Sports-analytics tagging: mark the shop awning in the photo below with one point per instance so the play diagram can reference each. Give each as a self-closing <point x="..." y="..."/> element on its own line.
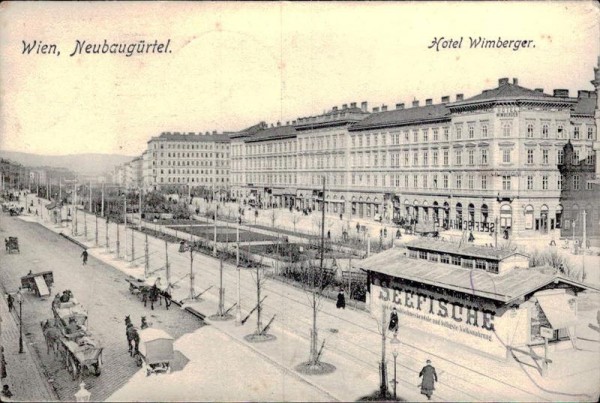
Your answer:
<point x="557" y="310"/>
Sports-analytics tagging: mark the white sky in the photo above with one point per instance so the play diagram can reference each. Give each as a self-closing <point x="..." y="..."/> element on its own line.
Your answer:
<point x="235" y="64"/>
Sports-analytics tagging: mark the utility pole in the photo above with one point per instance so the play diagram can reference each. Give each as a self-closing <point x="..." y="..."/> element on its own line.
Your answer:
<point x="132" y="248"/>
<point x="147" y="259"/>
<point x="238" y="310"/>
<point x="125" y="222"/>
<point x="140" y="222"/>
<point x="215" y="234"/>
<point x="383" y="390"/>
<point x="118" y="242"/>
<point x="90" y="205"/>
<point x="167" y="268"/>
<point x="96" y="229"/>
<point x="102" y="202"/>
<point x="583" y="245"/>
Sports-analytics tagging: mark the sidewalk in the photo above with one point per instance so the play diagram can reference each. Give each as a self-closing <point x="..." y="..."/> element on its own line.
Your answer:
<point x="24" y="378"/>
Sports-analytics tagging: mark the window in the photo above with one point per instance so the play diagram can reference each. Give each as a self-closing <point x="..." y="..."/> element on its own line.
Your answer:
<point x="560" y="157"/>
<point x="576" y="180"/>
<point x="415" y="181"/>
<point x="446" y="133"/>
<point x="458" y="132"/>
<point x="422" y="254"/>
<point x="530" y="183"/>
<point x="405" y="158"/>
<point x="506" y="129"/>
<point x="480" y="264"/>
<point x="415" y="158"/>
<point x="433" y="257"/>
<point x="559" y="185"/>
<point x="560" y="132"/>
<point x="506" y="156"/>
<point x="445" y="181"/>
<point x="458" y="157"/>
<point x="492" y="267"/>
<point x="470" y="181"/>
<point x="467" y="263"/>
<point x="458" y="181"/>
<point x="506" y="183"/>
<point x="435" y="158"/>
<point x="575" y="157"/>
<point x="471" y="131"/>
<point x="425" y="181"/>
<point x="435" y="135"/>
<point x="530" y="130"/>
<point x="545" y="182"/>
<point x="576" y="133"/>
<point x="545" y="157"/>
<point x="545" y="131"/>
<point x="455" y="260"/>
<point x="484" y="131"/>
<point x="590" y="157"/>
<point x="471" y="157"/>
<point x="445" y="259"/>
<point x="484" y="157"/>
<point x="590" y="133"/>
<point x="589" y="185"/>
<point x="425" y="135"/>
<point x="415" y="136"/>
<point x="413" y="254"/>
<point x="445" y="157"/>
<point x="530" y="156"/>
<point x="484" y="182"/>
<point x="425" y="159"/>
<point x="435" y="181"/>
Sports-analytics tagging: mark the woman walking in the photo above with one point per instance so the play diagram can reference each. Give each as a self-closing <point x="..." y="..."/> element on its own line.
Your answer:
<point x="429" y="378"/>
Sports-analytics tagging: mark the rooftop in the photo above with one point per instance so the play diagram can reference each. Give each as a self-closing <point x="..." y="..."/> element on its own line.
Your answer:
<point x="192" y="137"/>
<point x="398" y="117"/>
<point x="469" y="249"/>
<point x="585" y="105"/>
<point x="507" y="90"/>
<point x="499" y="287"/>
<point x="273" y="133"/>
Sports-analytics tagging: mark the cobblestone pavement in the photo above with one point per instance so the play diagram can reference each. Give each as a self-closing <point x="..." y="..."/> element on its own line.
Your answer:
<point x="100" y="288"/>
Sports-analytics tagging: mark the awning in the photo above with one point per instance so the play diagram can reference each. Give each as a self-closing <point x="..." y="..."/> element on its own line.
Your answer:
<point x="557" y="309"/>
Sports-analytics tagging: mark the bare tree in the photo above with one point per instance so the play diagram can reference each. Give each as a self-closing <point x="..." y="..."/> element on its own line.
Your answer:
<point x="260" y="333"/>
<point x="295" y="219"/>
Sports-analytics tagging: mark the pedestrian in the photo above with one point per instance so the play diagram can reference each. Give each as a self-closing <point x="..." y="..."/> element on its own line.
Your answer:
<point x="84" y="255"/>
<point x="471" y="237"/>
<point x="6" y="391"/>
<point x="505" y="233"/>
<point x="340" y="216"/>
<point x="10" y="301"/>
<point x="429" y="378"/>
<point x="328" y="234"/>
<point x="341" y="299"/>
<point x="398" y="234"/>
<point x="393" y="327"/>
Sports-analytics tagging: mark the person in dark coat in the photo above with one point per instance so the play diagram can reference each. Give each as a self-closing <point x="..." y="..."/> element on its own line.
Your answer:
<point x="341" y="299"/>
<point x="471" y="237"/>
<point x="84" y="255"/>
<point x="10" y="301"/>
<point x="393" y="327"/>
<point x="429" y="378"/>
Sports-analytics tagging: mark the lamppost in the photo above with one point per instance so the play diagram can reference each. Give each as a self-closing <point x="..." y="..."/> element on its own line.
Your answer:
<point x="82" y="395"/>
<point x="395" y="344"/>
<point x="20" y="301"/>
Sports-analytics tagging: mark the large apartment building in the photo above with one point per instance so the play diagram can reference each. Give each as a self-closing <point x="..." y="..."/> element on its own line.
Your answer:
<point x="476" y="163"/>
<point x="187" y="159"/>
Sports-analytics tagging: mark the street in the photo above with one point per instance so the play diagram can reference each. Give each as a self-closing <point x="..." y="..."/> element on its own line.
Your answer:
<point x="100" y="288"/>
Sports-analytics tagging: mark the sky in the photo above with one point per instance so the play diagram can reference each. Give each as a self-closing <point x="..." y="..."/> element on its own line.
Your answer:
<point x="232" y="65"/>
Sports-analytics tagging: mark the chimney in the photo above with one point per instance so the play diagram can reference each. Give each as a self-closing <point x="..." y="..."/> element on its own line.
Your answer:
<point x="214" y="132"/>
<point x="415" y="103"/>
<point x="502" y="81"/>
<point x="345" y="106"/>
<point x="515" y="81"/>
<point x="287" y="123"/>
<point x="272" y="125"/>
<point x="353" y="105"/>
<point x="335" y="108"/>
<point x="428" y="102"/>
<point x="376" y="109"/>
<point x="191" y="133"/>
<point x="561" y="93"/>
<point x="459" y="97"/>
<point x="399" y="106"/>
<point x="540" y="90"/>
<point x="383" y="108"/>
<point x="364" y="107"/>
<point x="583" y="94"/>
<point x="207" y="133"/>
<point x="293" y="122"/>
<point x="177" y="133"/>
<point x="445" y="99"/>
<point x="278" y="123"/>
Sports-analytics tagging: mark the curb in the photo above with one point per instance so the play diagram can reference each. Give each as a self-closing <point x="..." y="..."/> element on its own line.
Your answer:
<point x="76" y="242"/>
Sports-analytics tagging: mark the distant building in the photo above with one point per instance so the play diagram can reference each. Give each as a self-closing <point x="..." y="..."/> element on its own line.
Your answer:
<point x="188" y="159"/>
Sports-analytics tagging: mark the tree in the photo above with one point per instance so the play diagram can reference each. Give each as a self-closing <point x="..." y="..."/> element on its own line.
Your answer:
<point x="295" y="218"/>
<point x="261" y="333"/>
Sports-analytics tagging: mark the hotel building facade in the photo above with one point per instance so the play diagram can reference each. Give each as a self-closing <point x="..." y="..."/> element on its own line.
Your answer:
<point x="477" y="163"/>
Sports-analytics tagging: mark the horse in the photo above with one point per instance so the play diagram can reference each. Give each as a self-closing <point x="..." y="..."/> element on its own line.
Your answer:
<point x="52" y="335"/>
<point x="132" y="336"/>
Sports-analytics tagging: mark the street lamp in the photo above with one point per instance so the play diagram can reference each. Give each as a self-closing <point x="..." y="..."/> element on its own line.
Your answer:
<point x="20" y="301"/>
<point x="82" y="395"/>
<point x="395" y="344"/>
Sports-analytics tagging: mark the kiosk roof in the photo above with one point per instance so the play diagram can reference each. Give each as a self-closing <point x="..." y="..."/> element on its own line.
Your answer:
<point x="500" y="287"/>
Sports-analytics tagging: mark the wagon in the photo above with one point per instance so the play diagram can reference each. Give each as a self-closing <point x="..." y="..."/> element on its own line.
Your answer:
<point x="71" y="318"/>
<point x="12" y="244"/>
<point x="82" y="354"/>
<point x="40" y="283"/>
<point x="155" y="352"/>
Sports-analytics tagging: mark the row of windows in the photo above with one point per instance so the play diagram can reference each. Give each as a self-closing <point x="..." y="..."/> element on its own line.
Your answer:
<point x="455" y="260"/>
<point x="192" y="180"/>
<point x="187" y="146"/>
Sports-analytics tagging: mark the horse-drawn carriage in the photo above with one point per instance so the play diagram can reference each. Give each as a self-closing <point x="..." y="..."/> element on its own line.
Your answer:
<point x="68" y="334"/>
<point x="40" y="283"/>
<point x="155" y="351"/>
<point x="12" y="244"/>
<point x="150" y="290"/>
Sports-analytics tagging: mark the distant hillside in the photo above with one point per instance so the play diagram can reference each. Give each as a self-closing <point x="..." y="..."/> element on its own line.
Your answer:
<point x="89" y="164"/>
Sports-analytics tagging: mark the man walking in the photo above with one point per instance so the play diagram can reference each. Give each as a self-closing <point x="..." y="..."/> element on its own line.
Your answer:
<point x="429" y="378"/>
<point x="10" y="301"/>
<point x="84" y="255"/>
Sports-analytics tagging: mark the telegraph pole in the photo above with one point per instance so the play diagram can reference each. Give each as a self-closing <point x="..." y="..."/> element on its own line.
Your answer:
<point x="238" y="310"/>
<point x="147" y="260"/>
<point x="140" y="222"/>
<point x="583" y="246"/>
<point x="102" y="203"/>
<point x="167" y="268"/>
